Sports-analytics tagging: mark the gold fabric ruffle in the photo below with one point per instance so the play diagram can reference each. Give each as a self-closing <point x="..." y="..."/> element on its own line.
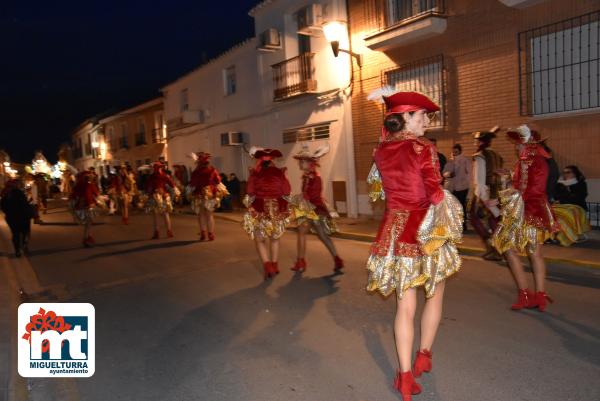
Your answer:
<point x="159" y="203"/>
<point x="376" y="186"/>
<point x="82" y="216"/>
<point x="514" y="231"/>
<point x="271" y="223"/>
<point x="303" y="211"/>
<point x="438" y="234"/>
<point x="207" y="200"/>
<point x="573" y="223"/>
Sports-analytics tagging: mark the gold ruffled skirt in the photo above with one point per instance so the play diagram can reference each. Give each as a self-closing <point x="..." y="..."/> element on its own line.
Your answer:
<point x="159" y="203"/>
<point x="271" y="223"/>
<point x="302" y="211"/>
<point x="513" y="230"/>
<point x="437" y="259"/>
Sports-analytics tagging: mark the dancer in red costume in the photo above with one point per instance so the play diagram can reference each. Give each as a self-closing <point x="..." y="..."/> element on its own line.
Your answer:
<point x="310" y="210"/>
<point x="416" y="242"/>
<point x="206" y="192"/>
<point x="83" y="202"/>
<point x="159" y="202"/>
<point x="121" y="190"/>
<point x="268" y="215"/>
<point x="527" y="218"/>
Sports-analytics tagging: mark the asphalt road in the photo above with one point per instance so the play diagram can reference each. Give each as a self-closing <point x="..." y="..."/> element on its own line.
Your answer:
<point x="182" y="320"/>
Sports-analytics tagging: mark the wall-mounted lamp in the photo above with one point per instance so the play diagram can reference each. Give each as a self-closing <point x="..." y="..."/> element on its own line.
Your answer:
<point x="334" y="31"/>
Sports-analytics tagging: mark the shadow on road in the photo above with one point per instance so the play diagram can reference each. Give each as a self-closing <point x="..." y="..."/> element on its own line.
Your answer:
<point x="158" y="245"/>
<point x="585" y="347"/>
<point x="45" y="252"/>
<point x="249" y="329"/>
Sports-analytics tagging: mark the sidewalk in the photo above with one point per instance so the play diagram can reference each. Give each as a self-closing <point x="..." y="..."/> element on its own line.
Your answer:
<point x="585" y="254"/>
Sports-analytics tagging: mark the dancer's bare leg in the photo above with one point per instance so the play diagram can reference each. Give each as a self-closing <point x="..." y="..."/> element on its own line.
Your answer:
<point x="261" y="248"/>
<point x="431" y="317"/>
<point x="301" y="239"/>
<point x="539" y="268"/>
<point x="274" y="247"/>
<point x="210" y="221"/>
<point x="168" y="221"/>
<point x="516" y="268"/>
<point x="155" y="220"/>
<point x="404" y="328"/>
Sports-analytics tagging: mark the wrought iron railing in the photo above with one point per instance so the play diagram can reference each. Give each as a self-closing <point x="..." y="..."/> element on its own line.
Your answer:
<point x="427" y="76"/>
<point x="294" y="77"/>
<point x="593" y="214"/>
<point x="383" y="14"/>
<point x="559" y="66"/>
<point x="158" y="135"/>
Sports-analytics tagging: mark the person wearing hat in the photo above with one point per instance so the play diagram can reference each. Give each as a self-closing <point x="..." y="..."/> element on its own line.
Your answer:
<point x="83" y="202"/>
<point x="268" y="214"/>
<point x="206" y="191"/>
<point x="483" y="212"/>
<point x="416" y="243"/>
<point x="158" y="187"/>
<point x="527" y="218"/>
<point x="310" y="210"/>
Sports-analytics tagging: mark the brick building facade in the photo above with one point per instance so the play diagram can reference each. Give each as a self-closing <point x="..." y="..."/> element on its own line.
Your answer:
<point x="488" y="64"/>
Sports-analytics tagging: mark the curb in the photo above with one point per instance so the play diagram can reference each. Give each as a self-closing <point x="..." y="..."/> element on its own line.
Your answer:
<point x="466" y="250"/>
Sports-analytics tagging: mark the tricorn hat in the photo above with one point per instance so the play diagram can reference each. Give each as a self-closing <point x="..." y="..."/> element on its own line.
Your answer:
<point x="523" y="134"/>
<point x="401" y="102"/>
<point x="265" y="153"/>
<point x="306" y="154"/>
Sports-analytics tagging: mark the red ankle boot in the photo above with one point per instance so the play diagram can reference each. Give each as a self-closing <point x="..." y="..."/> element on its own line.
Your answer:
<point x="275" y="267"/>
<point x="211" y="236"/>
<point x="203" y="235"/>
<point x="422" y="362"/>
<point x="300" y="265"/>
<point x="524" y="300"/>
<point x="339" y="263"/>
<point x="407" y="386"/>
<point x="170" y="234"/>
<point x="268" y="270"/>
<point x="539" y="300"/>
<point x="156" y="235"/>
<point x="126" y="220"/>
<point x="90" y="239"/>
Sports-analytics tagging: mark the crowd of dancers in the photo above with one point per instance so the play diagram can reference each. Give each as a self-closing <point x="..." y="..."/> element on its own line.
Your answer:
<point x="416" y="244"/>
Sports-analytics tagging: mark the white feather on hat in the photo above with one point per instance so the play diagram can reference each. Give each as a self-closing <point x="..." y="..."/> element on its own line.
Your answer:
<point x="378" y="94"/>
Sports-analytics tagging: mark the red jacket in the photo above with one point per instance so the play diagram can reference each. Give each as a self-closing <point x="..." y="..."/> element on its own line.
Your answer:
<point x="530" y="178"/>
<point x="312" y="188"/>
<point x="411" y="180"/>
<point x="158" y="182"/>
<point x="84" y="193"/>
<point x="268" y="183"/>
<point x="204" y="176"/>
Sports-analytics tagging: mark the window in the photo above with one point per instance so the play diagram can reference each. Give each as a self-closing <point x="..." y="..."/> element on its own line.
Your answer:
<point x="124" y="140"/>
<point x="112" y="138"/>
<point x="425" y="76"/>
<point x="559" y="66"/>
<point x="399" y="10"/>
<point x="88" y="145"/>
<point x="307" y="133"/>
<point x="140" y="138"/>
<point x="303" y="44"/>
<point x="230" y="80"/>
<point x="183" y="100"/>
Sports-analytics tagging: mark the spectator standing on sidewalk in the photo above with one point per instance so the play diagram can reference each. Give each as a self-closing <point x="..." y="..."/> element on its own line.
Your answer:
<point x="458" y="174"/>
<point x="234" y="188"/>
<point x="18" y="213"/>
<point x="441" y="158"/>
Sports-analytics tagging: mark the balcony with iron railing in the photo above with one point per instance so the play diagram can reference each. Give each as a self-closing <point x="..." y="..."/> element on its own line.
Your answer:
<point x="294" y="77"/>
<point x="394" y="23"/>
<point x="159" y="135"/>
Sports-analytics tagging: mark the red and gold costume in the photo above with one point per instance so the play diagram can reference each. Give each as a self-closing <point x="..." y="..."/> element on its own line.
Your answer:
<point x="267" y="190"/>
<point x="527" y="218"/>
<point x="310" y="204"/>
<point x="158" y="189"/>
<point x="84" y="198"/>
<point x="415" y="245"/>
<point x="206" y="189"/>
<point x="122" y="186"/>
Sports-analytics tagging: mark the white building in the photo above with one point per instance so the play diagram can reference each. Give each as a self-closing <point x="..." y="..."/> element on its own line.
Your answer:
<point x="282" y="89"/>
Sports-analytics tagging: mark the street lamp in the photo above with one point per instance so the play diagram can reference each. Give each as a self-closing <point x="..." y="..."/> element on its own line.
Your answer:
<point x="334" y="32"/>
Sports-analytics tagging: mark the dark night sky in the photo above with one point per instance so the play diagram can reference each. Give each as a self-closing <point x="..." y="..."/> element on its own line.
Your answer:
<point x="64" y="61"/>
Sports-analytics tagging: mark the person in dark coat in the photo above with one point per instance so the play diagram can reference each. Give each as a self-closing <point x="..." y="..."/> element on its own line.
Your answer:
<point x="234" y="188"/>
<point x="18" y="213"/>
<point x="572" y="188"/>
